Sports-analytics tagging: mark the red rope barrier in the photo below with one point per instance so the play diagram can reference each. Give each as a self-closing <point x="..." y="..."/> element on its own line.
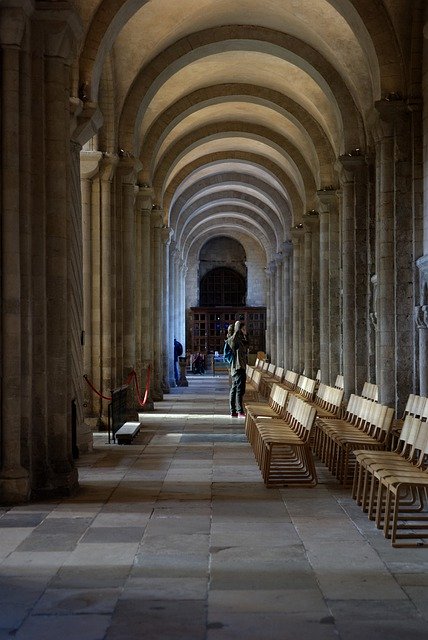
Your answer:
<point x="131" y="375"/>
<point x="94" y="390"/>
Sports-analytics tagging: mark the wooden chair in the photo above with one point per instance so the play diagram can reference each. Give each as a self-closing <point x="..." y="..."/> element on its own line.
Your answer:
<point x="282" y="447"/>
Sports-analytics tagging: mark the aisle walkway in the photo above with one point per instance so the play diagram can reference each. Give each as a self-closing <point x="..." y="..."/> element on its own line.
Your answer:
<point x="176" y="537"/>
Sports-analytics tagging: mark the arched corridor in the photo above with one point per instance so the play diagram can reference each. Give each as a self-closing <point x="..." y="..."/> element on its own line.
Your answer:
<point x="176" y="536"/>
<point x="167" y="167"/>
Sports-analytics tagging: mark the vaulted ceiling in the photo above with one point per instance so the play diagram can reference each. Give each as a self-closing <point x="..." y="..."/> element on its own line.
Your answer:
<point x="239" y="110"/>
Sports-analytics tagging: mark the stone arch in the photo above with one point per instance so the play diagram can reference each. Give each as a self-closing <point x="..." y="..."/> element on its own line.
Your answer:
<point x="258" y="132"/>
<point x="379" y="45"/>
<point x="230" y="199"/>
<point x="296" y="203"/>
<point x="234" y="211"/>
<point x="260" y="95"/>
<point x="225" y="181"/>
<point x="183" y="51"/>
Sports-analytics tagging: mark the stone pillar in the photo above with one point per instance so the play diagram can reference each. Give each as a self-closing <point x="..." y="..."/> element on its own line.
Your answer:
<point x="279" y="305"/>
<point x="125" y="173"/>
<point x="167" y="339"/>
<point x="157" y="302"/>
<point x="89" y="168"/>
<point x="63" y="237"/>
<point x="14" y="480"/>
<point x="421" y="316"/>
<point x="107" y="171"/>
<point x="172" y="320"/>
<point x="287" y="250"/>
<point x="353" y="202"/>
<point x="145" y="280"/>
<point x="311" y="304"/>
<point x="329" y="285"/>
<point x="272" y="321"/>
<point x="297" y="235"/>
<point x="394" y="250"/>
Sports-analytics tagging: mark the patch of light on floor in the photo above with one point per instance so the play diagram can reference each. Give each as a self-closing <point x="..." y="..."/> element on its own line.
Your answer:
<point x="143" y="417"/>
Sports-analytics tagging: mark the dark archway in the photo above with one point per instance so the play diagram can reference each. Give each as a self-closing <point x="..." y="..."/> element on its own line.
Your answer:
<point x="222" y="287"/>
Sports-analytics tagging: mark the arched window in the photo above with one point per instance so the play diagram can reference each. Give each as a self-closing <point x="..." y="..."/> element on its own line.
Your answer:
<point x="222" y="287"/>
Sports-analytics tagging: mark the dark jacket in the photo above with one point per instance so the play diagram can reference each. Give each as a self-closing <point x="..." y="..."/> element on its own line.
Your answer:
<point x="239" y="343"/>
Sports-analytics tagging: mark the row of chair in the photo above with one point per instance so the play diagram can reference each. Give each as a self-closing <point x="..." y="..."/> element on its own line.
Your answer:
<point x="279" y="433"/>
<point x="384" y="460"/>
<point x="365" y="425"/>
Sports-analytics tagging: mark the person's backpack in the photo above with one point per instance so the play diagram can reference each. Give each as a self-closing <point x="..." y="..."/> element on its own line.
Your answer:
<point x="178" y="348"/>
<point x="228" y="354"/>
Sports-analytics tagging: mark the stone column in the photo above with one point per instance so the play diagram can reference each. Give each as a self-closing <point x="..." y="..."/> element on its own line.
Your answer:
<point x="144" y="211"/>
<point x="89" y="168"/>
<point x="287" y="250"/>
<point x="126" y="181"/>
<point x="272" y="326"/>
<point x="167" y="339"/>
<point x="107" y="171"/>
<point x="329" y="285"/>
<point x="279" y="305"/>
<point x="395" y="290"/>
<point x="421" y="316"/>
<point x="310" y="226"/>
<point x="63" y="238"/>
<point x="157" y="300"/>
<point x="172" y="321"/>
<point x="145" y="315"/>
<point x="297" y="235"/>
<point x="14" y="481"/>
<point x="352" y="191"/>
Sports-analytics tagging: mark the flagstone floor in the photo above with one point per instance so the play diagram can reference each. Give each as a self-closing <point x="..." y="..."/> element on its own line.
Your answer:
<point x="176" y="537"/>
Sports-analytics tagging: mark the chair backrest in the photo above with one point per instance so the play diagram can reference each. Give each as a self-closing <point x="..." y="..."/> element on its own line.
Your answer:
<point x="370" y="391"/>
<point x="339" y="382"/>
<point x="318" y="376"/>
<point x="279" y="373"/>
<point x="265" y="365"/>
<point x="271" y="368"/>
<point x="291" y="378"/>
<point x="257" y="377"/>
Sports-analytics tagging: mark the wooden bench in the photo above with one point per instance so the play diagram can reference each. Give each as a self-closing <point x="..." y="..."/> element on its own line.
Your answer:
<point x="305" y="388"/>
<point x="281" y="446"/>
<point x="127" y="432"/>
<point x="398" y="481"/>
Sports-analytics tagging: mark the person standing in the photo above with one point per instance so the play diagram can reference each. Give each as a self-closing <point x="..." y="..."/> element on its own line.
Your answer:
<point x="238" y="342"/>
<point x="178" y="351"/>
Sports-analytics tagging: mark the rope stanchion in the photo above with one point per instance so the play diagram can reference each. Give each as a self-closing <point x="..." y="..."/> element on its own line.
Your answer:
<point x="132" y="375"/>
<point x="94" y="390"/>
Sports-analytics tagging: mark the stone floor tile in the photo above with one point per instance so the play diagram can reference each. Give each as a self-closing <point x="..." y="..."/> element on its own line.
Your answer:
<point x="138" y="618"/>
<point x="74" y="627"/>
<point x="75" y="601"/>
<point x="101" y="535"/>
<point x="270" y="626"/>
<point x="90" y="577"/>
<point x="164" y="588"/>
<point x="290" y="601"/>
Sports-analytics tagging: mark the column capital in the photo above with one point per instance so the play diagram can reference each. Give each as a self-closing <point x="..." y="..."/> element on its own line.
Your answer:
<point x="145" y="198"/>
<point x="90" y="163"/>
<point x="271" y="268"/>
<point x="63" y="28"/>
<point x="297" y="233"/>
<point x="327" y="196"/>
<point x="13" y="19"/>
<point x="278" y="258"/>
<point x="353" y="161"/>
<point x="127" y="169"/>
<point x="310" y="220"/>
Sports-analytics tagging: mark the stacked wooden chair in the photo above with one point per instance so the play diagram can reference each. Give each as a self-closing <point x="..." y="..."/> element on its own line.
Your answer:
<point x="365" y="425"/>
<point x="392" y="486"/>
